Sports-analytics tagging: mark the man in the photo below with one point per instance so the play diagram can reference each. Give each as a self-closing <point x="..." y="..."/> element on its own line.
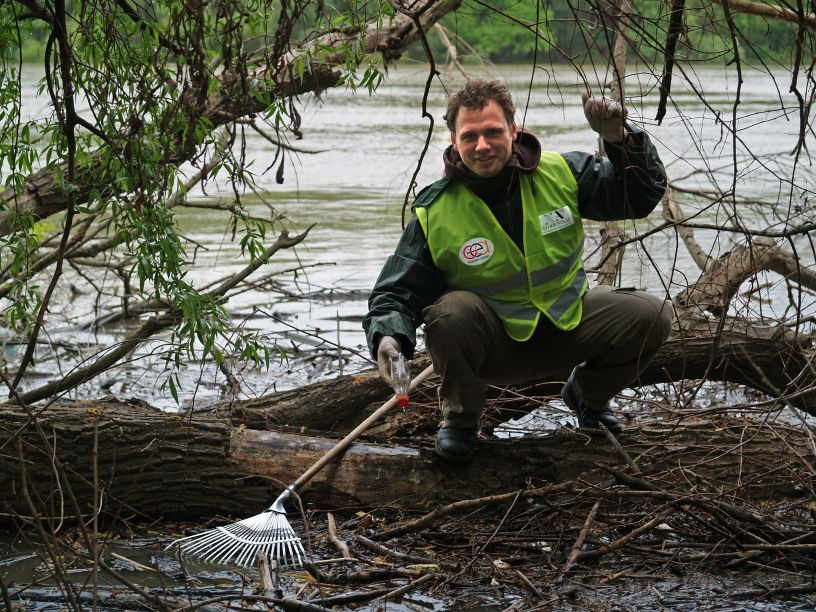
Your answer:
<point x="491" y="263"/>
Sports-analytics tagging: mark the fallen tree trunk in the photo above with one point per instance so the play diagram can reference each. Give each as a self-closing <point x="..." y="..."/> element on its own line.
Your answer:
<point x="770" y="359"/>
<point x="151" y="464"/>
<point x="237" y="457"/>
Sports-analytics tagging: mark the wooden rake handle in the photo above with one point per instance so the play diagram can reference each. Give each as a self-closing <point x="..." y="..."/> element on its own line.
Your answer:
<point x="354" y="434"/>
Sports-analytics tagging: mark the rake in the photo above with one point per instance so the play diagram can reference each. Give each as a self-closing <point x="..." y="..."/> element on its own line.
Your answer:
<point x="269" y="533"/>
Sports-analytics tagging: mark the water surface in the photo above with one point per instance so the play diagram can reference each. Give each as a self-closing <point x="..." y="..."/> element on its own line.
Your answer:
<point x="354" y="189"/>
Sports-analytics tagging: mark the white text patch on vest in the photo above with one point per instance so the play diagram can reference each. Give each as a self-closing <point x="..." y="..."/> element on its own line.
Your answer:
<point x="555" y="220"/>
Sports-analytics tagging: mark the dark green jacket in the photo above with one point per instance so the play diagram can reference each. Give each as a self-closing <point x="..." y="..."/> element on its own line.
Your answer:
<point x="626" y="185"/>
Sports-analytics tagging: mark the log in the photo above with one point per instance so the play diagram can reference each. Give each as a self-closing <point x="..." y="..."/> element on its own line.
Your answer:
<point x="154" y="465"/>
<point x="772" y="359"/>
<point x="762" y="357"/>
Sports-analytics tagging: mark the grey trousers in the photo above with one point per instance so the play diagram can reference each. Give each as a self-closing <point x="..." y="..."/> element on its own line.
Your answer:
<point x="619" y="333"/>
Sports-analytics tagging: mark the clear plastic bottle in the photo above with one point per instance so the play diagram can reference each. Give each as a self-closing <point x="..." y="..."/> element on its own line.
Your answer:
<point x="401" y="379"/>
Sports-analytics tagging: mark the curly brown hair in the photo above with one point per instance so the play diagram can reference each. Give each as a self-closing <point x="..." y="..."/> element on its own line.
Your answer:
<point x="476" y="94"/>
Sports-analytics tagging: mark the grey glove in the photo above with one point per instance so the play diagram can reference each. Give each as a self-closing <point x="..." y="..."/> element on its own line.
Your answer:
<point x="388" y="349"/>
<point x="605" y="116"/>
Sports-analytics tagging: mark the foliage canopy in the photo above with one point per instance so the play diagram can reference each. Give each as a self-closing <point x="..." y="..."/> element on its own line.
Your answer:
<point x="141" y="97"/>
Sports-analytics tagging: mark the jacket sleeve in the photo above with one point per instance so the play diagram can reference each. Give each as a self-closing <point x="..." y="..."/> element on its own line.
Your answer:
<point x="408" y="282"/>
<point x="626" y="185"/>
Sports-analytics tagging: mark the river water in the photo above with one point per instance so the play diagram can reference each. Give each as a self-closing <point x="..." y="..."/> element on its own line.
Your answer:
<point x="353" y="190"/>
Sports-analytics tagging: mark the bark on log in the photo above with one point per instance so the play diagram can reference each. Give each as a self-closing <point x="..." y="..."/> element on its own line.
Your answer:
<point x="153" y="465"/>
<point x="334" y="404"/>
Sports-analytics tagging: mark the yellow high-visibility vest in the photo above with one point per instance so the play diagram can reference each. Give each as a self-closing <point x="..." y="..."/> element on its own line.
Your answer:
<point x="474" y="253"/>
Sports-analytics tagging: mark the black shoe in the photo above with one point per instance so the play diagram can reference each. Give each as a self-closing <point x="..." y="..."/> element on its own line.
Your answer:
<point x="588" y="418"/>
<point x="456" y="444"/>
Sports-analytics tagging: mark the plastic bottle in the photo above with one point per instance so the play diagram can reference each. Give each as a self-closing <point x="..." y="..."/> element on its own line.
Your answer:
<point x="400" y="379"/>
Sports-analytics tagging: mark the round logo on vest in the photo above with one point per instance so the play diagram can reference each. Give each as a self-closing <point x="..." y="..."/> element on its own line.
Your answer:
<point x="476" y="251"/>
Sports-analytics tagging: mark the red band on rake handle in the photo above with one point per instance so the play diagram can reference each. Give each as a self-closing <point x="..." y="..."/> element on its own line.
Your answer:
<point x="350" y="437"/>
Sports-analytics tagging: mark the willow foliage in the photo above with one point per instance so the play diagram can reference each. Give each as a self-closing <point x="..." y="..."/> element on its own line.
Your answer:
<point x="136" y="90"/>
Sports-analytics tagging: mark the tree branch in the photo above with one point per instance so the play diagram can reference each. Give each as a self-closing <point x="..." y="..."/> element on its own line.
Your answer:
<point x="42" y="196"/>
<point x="148" y="329"/>
<point x="767" y="10"/>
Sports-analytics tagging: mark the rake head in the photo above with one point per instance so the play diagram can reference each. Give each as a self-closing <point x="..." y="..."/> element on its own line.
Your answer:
<point x="268" y="533"/>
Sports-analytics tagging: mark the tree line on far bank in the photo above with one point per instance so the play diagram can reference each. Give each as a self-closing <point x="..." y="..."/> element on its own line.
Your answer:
<point x="572" y="32"/>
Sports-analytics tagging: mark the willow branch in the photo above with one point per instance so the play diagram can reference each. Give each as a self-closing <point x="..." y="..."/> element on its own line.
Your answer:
<point x="148" y="329"/>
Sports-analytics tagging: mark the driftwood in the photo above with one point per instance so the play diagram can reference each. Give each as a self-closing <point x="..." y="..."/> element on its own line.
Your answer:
<point x="213" y="463"/>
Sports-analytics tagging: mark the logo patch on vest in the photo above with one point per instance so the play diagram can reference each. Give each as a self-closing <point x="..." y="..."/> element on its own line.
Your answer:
<point x="555" y="220"/>
<point x="476" y="251"/>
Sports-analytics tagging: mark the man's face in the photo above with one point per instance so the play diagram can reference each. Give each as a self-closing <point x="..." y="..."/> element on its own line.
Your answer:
<point x="483" y="138"/>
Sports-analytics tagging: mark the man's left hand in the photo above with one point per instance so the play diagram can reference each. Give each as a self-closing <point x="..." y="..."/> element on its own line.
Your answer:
<point x="387" y="351"/>
<point x="605" y="116"/>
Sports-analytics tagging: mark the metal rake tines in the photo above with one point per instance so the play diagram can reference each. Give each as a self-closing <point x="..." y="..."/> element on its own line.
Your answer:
<point x="268" y="533"/>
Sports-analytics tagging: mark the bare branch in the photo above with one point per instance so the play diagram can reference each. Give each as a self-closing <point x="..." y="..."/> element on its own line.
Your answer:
<point x="768" y="10"/>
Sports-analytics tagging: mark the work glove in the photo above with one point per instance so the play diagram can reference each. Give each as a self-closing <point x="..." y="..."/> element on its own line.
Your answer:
<point x="605" y="116"/>
<point x="388" y="349"/>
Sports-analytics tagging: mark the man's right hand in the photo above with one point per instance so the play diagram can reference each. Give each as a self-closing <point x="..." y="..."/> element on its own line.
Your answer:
<point x="605" y="116"/>
<point x="388" y="349"/>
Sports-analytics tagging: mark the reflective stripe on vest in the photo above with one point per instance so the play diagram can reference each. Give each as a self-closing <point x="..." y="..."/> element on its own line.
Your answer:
<point x="559" y="307"/>
<point x="474" y="253"/>
<point x="537" y="277"/>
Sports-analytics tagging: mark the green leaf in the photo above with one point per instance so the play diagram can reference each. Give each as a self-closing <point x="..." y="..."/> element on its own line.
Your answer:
<point x="173" y="391"/>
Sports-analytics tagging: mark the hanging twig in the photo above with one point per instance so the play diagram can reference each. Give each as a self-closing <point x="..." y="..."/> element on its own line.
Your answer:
<point x="68" y="120"/>
<point x="432" y="74"/>
<point x="278" y="143"/>
<point x="675" y="28"/>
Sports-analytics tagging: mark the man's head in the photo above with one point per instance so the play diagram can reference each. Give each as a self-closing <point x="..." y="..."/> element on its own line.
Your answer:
<point x="482" y="128"/>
